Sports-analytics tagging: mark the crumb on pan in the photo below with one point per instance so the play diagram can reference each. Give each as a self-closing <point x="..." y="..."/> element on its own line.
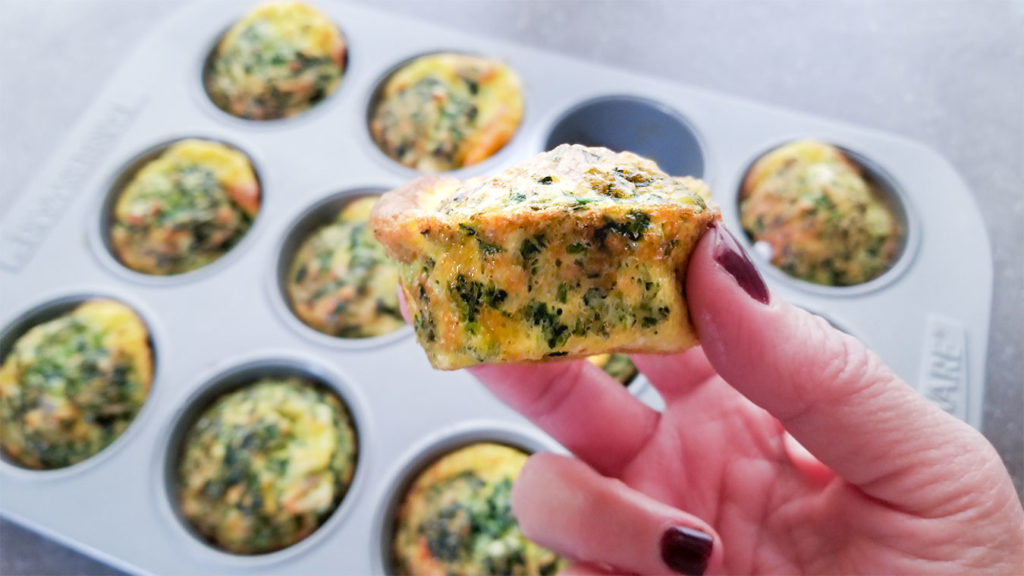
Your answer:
<point x="618" y="366"/>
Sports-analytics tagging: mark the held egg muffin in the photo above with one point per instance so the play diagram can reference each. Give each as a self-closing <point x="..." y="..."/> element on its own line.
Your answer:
<point x="71" y="386"/>
<point x="277" y="61"/>
<point x="185" y="208"/>
<point x="341" y="282"/>
<point x="445" y="111"/>
<point x="456" y="519"/>
<point x="823" y="219"/>
<point x="265" y="465"/>
<point x="578" y="251"/>
<point x="618" y="366"/>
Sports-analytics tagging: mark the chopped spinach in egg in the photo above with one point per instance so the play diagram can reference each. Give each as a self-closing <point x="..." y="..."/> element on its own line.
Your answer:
<point x="185" y="209"/>
<point x="822" y="218"/>
<point x="578" y="251"/>
<point x="445" y="111"/>
<point x="341" y="282"/>
<point x="456" y="518"/>
<point x="265" y="465"/>
<point x="277" y="61"/>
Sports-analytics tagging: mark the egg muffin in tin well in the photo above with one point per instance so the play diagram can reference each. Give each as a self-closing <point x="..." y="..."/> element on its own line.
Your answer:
<point x="825" y="221"/>
<point x="266" y="465"/>
<point x="185" y="209"/>
<point x="71" y="386"/>
<point x="277" y="61"/>
<point x="456" y="518"/>
<point x="444" y="111"/>
<point x="341" y="282"/>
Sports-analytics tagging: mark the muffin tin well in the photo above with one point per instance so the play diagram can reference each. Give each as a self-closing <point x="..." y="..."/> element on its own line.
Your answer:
<point x="101" y="231"/>
<point x="320" y="214"/>
<point x="895" y="200"/>
<point x="425" y="453"/>
<point x="208" y="66"/>
<point x="240" y="374"/>
<point x="230" y="321"/>
<point x="373" y="99"/>
<point x="633" y="124"/>
<point x="51" y="309"/>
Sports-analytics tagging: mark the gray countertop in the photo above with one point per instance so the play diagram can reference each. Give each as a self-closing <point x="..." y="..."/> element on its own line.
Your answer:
<point x="946" y="73"/>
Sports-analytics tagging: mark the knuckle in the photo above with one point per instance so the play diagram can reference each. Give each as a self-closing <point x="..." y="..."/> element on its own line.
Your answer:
<point x="553" y="390"/>
<point x="841" y="372"/>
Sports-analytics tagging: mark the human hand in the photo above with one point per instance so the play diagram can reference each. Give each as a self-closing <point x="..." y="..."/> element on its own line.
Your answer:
<point x="716" y="481"/>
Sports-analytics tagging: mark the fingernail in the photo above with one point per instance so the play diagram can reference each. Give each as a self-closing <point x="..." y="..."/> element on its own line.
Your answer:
<point x="686" y="550"/>
<point x="728" y="252"/>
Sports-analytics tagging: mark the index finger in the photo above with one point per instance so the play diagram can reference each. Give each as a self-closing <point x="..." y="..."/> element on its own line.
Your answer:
<point x="580" y="406"/>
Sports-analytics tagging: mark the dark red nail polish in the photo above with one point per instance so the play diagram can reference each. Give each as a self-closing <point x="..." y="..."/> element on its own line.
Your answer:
<point x="728" y="252"/>
<point x="686" y="550"/>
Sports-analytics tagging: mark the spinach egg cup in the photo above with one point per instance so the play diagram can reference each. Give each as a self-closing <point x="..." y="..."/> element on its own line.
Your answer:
<point x="265" y="464"/>
<point x="339" y="280"/>
<point x="445" y="111"/>
<point x="456" y="518"/>
<point x="182" y="207"/>
<point x="277" y="61"/>
<point x="820" y="216"/>
<point x="72" y="384"/>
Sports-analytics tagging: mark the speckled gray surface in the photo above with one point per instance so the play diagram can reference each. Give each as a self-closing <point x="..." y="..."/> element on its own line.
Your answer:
<point x="949" y="74"/>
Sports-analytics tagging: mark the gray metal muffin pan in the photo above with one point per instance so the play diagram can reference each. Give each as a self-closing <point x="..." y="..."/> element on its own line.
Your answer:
<point x="928" y="317"/>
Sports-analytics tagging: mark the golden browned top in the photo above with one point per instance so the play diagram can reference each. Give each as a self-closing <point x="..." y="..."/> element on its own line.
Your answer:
<point x="571" y="180"/>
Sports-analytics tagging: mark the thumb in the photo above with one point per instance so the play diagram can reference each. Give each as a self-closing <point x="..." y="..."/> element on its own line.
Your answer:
<point x="831" y="393"/>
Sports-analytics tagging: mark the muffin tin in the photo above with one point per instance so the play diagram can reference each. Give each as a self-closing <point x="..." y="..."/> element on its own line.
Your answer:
<point x="927" y="317"/>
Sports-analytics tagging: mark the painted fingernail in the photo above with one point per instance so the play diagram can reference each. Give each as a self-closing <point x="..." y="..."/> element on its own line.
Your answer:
<point x="728" y="252"/>
<point x="686" y="550"/>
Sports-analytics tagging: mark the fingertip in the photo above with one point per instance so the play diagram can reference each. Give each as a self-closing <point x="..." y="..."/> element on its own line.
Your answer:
<point x="565" y="505"/>
<point x="534" y="476"/>
<point x="403" y="304"/>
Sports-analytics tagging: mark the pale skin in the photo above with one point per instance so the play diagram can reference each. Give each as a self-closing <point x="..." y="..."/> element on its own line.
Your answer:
<point x="887" y="483"/>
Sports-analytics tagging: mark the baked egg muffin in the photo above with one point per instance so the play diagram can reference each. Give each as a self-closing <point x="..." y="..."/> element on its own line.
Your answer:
<point x="71" y="386"/>
<point x="618" y="366"/>
<point x="578" y="251"/>
<point x="185" y="208"/>
<point x="456" y="519"/>
<point x="341" y="282"/>
<point x="823" y="219"/>
<point x="277" y="61"/>
<point x="266" y="465"/>
<point x="444" y="111"/>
